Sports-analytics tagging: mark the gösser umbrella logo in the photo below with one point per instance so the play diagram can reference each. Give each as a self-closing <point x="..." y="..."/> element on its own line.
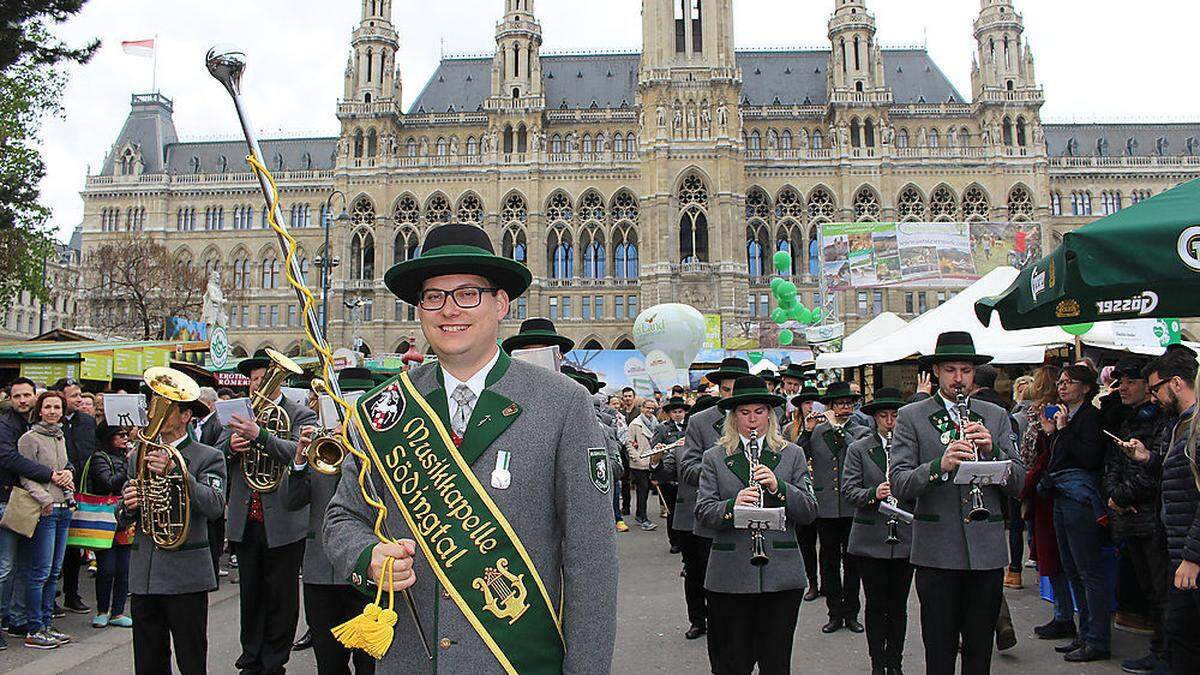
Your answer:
<point x="1189" y="247"/>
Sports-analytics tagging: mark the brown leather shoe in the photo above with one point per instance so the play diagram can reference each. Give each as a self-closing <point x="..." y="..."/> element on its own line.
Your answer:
<point x="1013" y="580"/>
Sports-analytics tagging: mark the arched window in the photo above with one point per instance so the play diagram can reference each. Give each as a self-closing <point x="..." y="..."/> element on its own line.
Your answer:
<point x="942" y="204"/>
<point x="363" y="213"/>
<point x="514" y="210"/>
<point x="818" y="140"/>
<point x="855" y="133"/>
<point x="437" y="210"/>
<point x="472" y="146"/>
<point x="362" y="256"/>
<point x="442" y="146"/>
<point x="410" y="148"/>
<point x="591" y="207"/>
<point x="507" y="138"/>
<point x="758" y="205"/>
<point x="556" y="144"/>
<point x="934" y="139"/>
<point x="514" y="245"/>
<point x="561" y="253"/>
<point x="407" y="211"/>
<point x="902" y="138"/>
<point x="270" y="273"/>
<point x="1021" y="131"/>
<point x="372" y="143"/>
<point x="595" y="263"/>
<point x="910" y="206"/>
<point x="975" y="204"/>
<point x="559" y="208"/>
<point x="820" y="206"/>
<point x="866" y="205"/>
<point x="470" y="209"/>
<point x="757" y="243"/>
<point x="630" y="142"/>
<point x="869" y="133"/>
<point x="1020" y="204"/>
<point x="241" y="271"/>
<point x="964" y="137"/>
<point x="789" y="204"/>
<point x="587" y="144"/>
<point x="625" y="252"/>
<point x="618" y="143"/>
<point x="624" y="207"/>
<point x="693" y="225"/>
<point x="755" y="140"/>
<point x="1056" y="203"/>
<point x="790" y="238"/>
<point x="1008" y="131"/>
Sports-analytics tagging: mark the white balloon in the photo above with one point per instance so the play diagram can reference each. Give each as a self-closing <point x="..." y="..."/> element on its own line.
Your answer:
<point x="675" y="329"/>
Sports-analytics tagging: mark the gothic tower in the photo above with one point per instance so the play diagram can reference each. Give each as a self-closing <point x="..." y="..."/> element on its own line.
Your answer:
<point x="858" y="95"/>
<point x="517" y="66"/>
<point x="371" y="73"/>
<point x="1006" y="95"/>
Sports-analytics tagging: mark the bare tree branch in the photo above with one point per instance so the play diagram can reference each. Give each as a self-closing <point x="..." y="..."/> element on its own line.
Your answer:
<point x="136" y="287"/>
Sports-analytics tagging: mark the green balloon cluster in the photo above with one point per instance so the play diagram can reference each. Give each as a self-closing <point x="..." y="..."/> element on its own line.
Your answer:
<point x="1078" y="329"/>
<point x="789" y="306"/>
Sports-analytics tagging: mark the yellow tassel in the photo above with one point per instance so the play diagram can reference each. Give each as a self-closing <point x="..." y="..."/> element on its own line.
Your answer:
<point x="373" y="630"/>
<point x="351" y="633"/>
<point x="377" y="637"/>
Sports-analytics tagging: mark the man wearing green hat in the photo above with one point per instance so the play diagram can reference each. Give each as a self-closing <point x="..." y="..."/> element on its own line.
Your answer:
<point x="522" y="570"/>
<point x="826" y="448"/>
<point x="798" y="431"/>
<point x="959" y="563"/>
<point x="535" y="333"/>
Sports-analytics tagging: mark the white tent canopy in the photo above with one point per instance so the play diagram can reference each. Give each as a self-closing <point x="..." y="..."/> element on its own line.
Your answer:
<point x="920" y="335"/>
<point x="880" y="327"/>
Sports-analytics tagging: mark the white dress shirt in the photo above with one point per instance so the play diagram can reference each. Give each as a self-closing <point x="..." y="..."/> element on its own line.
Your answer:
<point x="475" y="383"/>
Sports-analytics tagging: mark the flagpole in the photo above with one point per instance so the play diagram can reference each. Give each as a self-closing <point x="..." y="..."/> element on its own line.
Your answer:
<point x="154" y="68"/>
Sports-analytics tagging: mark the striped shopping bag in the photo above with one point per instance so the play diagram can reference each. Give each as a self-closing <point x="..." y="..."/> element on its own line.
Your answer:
<point x="94" y="521"/>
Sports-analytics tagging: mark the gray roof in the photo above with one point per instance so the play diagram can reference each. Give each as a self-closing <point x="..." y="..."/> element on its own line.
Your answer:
<point x="150" y="127"/>
<point x="1180" y="138"/>
<point x="610" y="80"/>
<point x="298" y="154"/>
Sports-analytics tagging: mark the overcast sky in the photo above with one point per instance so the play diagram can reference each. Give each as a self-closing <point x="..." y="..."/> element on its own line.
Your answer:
<point x="1097" y="59"/>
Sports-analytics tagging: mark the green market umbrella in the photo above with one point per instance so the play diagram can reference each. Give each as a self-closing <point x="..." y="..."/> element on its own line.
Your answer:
<point x="1141" y="262"/>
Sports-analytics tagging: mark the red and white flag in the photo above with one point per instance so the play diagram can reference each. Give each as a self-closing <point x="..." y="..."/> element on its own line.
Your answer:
<point x="139" y="47"/>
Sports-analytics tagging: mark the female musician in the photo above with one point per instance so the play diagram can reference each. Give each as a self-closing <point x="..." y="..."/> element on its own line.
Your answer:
<point x="753" y="610"/>
<point x="880" y="544"/>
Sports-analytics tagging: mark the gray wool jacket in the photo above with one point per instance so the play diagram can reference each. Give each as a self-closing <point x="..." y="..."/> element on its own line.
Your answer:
<point x="189" y="569"/>
<point x="722" y="477"/>
<point x="565" y="521"/>
<point x="310" y="491"/>
<point x="941" y="536"/>
<point x="865" y="471"/>
<point x="703" y="432"/>
<point x="827" y="448"/>
<point x="282" y="525"/>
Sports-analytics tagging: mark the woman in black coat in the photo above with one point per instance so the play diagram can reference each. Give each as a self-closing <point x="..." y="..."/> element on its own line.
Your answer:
<point x="107" y="472"/>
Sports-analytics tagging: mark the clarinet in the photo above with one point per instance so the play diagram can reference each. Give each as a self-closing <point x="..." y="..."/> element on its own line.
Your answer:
<point x="978" y="511"/>
<point x="758" y="555"/>
<point x="893" y="536"/>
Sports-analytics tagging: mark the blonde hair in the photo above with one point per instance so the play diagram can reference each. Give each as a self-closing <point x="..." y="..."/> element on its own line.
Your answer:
<point x="731" y="438"/>
<point x="1021" y="387"/>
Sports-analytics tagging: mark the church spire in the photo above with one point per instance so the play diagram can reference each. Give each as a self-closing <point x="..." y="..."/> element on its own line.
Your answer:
<point x="372" y="74"/>
<point x="517" y="66"/>
<point x="855" y="61"/>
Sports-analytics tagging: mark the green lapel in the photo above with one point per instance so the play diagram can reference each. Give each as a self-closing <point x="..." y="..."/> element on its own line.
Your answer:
<point x="739" y="465"/>
<point x="769" y="458"/>
<point x="877" y="454"/>
<point x="835" y="441"/>
<point x="493" y="413"/>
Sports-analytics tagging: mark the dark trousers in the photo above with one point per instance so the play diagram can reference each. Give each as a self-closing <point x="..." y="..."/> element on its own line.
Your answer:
<point x="695" y="564"/>
<point x="269" y="590"/>
<point x="669" y="492"/>
<point x="1151" y="566"/>
<point x="216" y="545"/>
<point x="1080" y="541"/>
<point x="838" y="568"/>
<point x="625" y="484"/>
<point x="159" y="620"/>
<point x="617" y="499"/>
<point x="112" y="579"/>
<point x="1016" y="536"/>
<point x="70" y="573"/>
<point x="1183" y="615"/>
<point x="886" y="583"/>
<point x="958" y="605"/>
<point x="326" y="607"/>
<point x="641" y="484"/>
<point x="806" y="535"/>
<point x="750" y="628"/>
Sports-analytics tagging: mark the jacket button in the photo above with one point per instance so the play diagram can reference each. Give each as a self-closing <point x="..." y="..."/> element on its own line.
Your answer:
<point x="445" y="643"/>
<point x="445" y="594"/>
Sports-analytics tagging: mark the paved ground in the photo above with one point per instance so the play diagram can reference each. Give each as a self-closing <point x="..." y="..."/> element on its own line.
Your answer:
<point x="649" y="635"/>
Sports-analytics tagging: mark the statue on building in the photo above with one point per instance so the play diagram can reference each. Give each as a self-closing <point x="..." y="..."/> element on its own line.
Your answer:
<point x="662" y="116"/>
<point x="691" y="120"/>
<point x="454" y="146"/>
<point x="722" y="116"/>
<point x="705" y="127"/>
<point x="213" y="312"/>
<point x="678" y="127"/>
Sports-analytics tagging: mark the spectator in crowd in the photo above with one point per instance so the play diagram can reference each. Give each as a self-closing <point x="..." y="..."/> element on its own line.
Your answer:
<point x="44" y="444"/>
<point x="107" y="472"/>
<point x="1133" y="491"/>
<point x="79" y="430"/>
<point x="1073" y="474"/>
<point x="639" y="445"/>
<point x="225" y="394"/>
<point x="87" y="403"/>
<point x="1170" y="379"/>
<point x="14" y="422"/>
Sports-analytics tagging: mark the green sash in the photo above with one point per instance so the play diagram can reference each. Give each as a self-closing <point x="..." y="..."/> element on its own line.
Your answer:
<point x="464" y="536"/>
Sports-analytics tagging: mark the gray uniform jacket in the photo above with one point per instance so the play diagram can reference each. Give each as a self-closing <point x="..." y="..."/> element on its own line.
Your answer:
<point x="703" y="431"/>
<point x="561" y="515"/>
<point x="941" y="536"/>
<point x="722" y="477"/>
<point x="310" y="490"/>
<point x="827" y="449"/>
<point x="283" y="526"/>
<point x="865" y="471"/>
<point x="153" y="571"/>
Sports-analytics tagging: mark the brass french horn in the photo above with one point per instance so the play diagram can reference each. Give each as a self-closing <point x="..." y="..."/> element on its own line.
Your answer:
<point x="262" y="471"/>
<point x="327" y="450"/>
<point x="164" y="502"/>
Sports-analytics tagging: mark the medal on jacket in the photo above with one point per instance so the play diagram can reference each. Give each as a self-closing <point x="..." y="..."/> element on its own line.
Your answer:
<point x="501" y="478"/>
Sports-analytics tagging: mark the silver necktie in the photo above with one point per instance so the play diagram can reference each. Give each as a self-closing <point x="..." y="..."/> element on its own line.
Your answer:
<point x="465" y="398"/>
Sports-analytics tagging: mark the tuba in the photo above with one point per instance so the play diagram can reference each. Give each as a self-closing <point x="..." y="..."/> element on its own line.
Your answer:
<point x="262" y="471"/>
<point x="164" y="502"/>
<point x="327" y="450"/>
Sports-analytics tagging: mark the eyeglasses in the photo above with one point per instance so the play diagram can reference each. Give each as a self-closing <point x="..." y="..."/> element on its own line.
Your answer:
<point x="1154" y="387"/>
<point x="1063" y="383"/>
<point x="466" y="297"/>
<point x="842" y="403"/>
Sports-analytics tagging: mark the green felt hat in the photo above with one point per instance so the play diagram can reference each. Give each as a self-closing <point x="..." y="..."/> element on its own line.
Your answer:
<point x="730" y="369"/>
<point x="456" y="249"/>
<point x="537" y="331"/>
<point x="808" y="393"/>
<point x="954" y="346"/>
<point x="587" y="378"/>
<point x="675" y="403"/>
<point x="886" y="398"/>
<point x="747" y="390"/>
<point x="839" y="390"/>
<point x="259" y="360"/>
<point x="799" y="371"/>
<point x="356" y="379"/>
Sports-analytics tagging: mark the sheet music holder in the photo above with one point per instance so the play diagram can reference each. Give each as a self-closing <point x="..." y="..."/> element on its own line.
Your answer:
<point x="896" y="512"/>
<point x="754" y="518"/>
<point x="983" y="473"/>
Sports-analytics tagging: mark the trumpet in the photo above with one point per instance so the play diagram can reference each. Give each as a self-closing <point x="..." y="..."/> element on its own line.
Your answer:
<point x="758" y="552"/>
<point x="978" y="511"/>
<point x="262" y="471"/>
<point x="327" y="450"/>
<point x="164" y="502"/>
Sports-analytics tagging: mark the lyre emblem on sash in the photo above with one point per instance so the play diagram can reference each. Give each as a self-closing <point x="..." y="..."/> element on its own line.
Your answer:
<point x="503" y="592"/>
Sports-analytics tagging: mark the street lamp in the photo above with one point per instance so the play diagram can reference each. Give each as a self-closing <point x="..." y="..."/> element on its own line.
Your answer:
<point x="327" y="262"/>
